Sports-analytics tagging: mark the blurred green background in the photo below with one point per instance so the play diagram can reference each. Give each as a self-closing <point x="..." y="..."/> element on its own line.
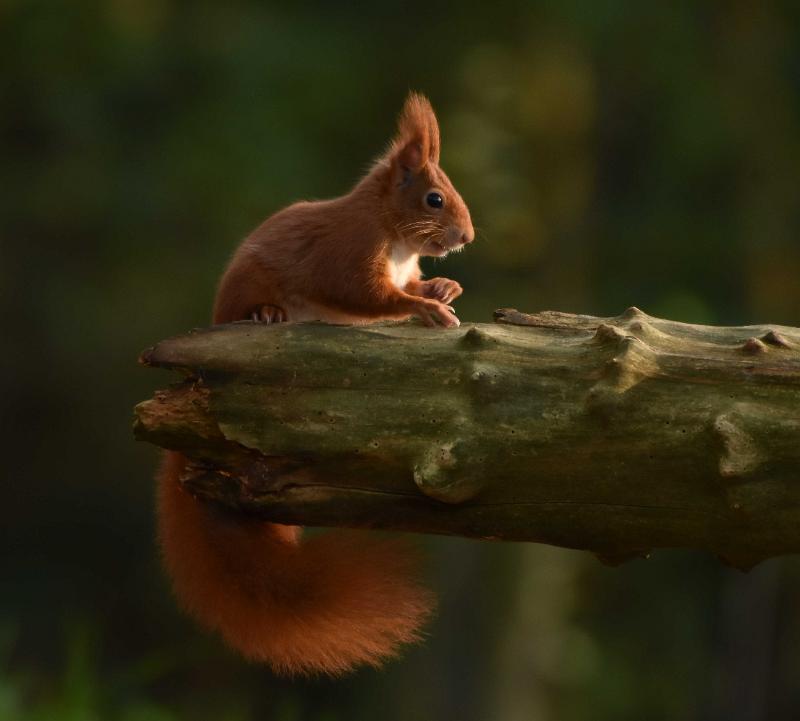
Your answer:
<point x="612" y="153"/>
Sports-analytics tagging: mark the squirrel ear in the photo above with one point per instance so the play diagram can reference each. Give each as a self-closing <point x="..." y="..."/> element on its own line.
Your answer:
<point x="417" y="141"/>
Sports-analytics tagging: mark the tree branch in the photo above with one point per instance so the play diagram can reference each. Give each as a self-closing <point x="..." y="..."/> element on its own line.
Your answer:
<point x="616" y="435"/>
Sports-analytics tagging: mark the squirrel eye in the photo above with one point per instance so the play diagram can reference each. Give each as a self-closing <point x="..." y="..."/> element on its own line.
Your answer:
<point x="434" y="200"/>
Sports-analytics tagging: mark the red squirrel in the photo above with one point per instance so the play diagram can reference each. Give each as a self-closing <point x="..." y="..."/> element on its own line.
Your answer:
<point x="341" y="599"/>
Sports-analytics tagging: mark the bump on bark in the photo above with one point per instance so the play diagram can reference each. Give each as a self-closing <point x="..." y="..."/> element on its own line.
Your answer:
<point x="772" y="337"/>
<point x="754" y="346"/>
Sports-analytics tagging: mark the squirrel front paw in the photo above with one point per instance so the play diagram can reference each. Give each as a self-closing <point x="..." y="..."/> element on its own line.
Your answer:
<point x="269" y="314"/>
<point x="441" y="289"/>
<point x="431" y="312"/>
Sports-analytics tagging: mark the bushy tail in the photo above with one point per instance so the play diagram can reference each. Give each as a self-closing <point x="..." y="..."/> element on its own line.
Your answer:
<point x="325" y="605"/>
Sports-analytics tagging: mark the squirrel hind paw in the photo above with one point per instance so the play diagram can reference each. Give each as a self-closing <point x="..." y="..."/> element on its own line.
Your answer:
<point x="269" y="314"/>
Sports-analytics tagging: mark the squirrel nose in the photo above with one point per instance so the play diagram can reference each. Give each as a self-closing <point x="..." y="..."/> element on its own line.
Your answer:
<point x="467" y="237"/>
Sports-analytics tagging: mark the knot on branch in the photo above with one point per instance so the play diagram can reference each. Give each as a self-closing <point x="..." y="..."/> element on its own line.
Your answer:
<point x="477" y="338"/>
<point x="608" y="334"/>
<point x="772" y="337"/>
<point x="437" y="475"/>
<point x="740" y="453"/>
<point x="761" y="344"/>
<point x="754" y="346"/>
<point x="632" y="362"/>
<point x="633" y="313"/>
<point x="646" y="331"/>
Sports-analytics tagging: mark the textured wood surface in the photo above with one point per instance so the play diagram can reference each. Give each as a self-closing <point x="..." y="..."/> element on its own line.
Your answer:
<point x="615" y="435"/>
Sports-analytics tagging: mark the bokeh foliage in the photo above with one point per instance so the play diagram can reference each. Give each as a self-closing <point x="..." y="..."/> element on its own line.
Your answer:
<point x="612" y="153"/>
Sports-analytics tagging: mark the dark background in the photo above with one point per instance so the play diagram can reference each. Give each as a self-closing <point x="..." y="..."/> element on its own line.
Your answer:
<point x="612" y="153"/>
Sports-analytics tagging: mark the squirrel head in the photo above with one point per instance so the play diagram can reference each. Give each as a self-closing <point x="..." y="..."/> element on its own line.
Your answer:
<point x="426" y="210"/>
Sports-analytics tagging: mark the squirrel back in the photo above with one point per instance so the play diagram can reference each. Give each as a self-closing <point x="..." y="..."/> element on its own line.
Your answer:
<point x="338" y="600"/>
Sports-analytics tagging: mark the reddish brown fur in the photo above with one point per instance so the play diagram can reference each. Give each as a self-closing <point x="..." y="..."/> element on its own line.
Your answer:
<point x="323" y="606"/>
<point x="330" y="260"/>
<point x="329" y="603"/>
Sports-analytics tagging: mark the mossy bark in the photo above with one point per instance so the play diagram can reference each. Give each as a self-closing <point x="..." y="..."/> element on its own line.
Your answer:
<point x="615" y="435"/>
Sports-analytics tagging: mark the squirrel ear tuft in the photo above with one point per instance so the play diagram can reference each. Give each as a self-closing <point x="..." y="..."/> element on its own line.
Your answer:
<point x="417" y="141"/>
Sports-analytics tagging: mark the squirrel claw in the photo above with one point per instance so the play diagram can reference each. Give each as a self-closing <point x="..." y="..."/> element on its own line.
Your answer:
<point x="269" y="314"/>
<point x="433" y="313"/>
<point x="442" y="289"/>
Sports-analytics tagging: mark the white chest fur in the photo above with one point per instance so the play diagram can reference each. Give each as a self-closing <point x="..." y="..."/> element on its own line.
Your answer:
<point x="403" y="266"/>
